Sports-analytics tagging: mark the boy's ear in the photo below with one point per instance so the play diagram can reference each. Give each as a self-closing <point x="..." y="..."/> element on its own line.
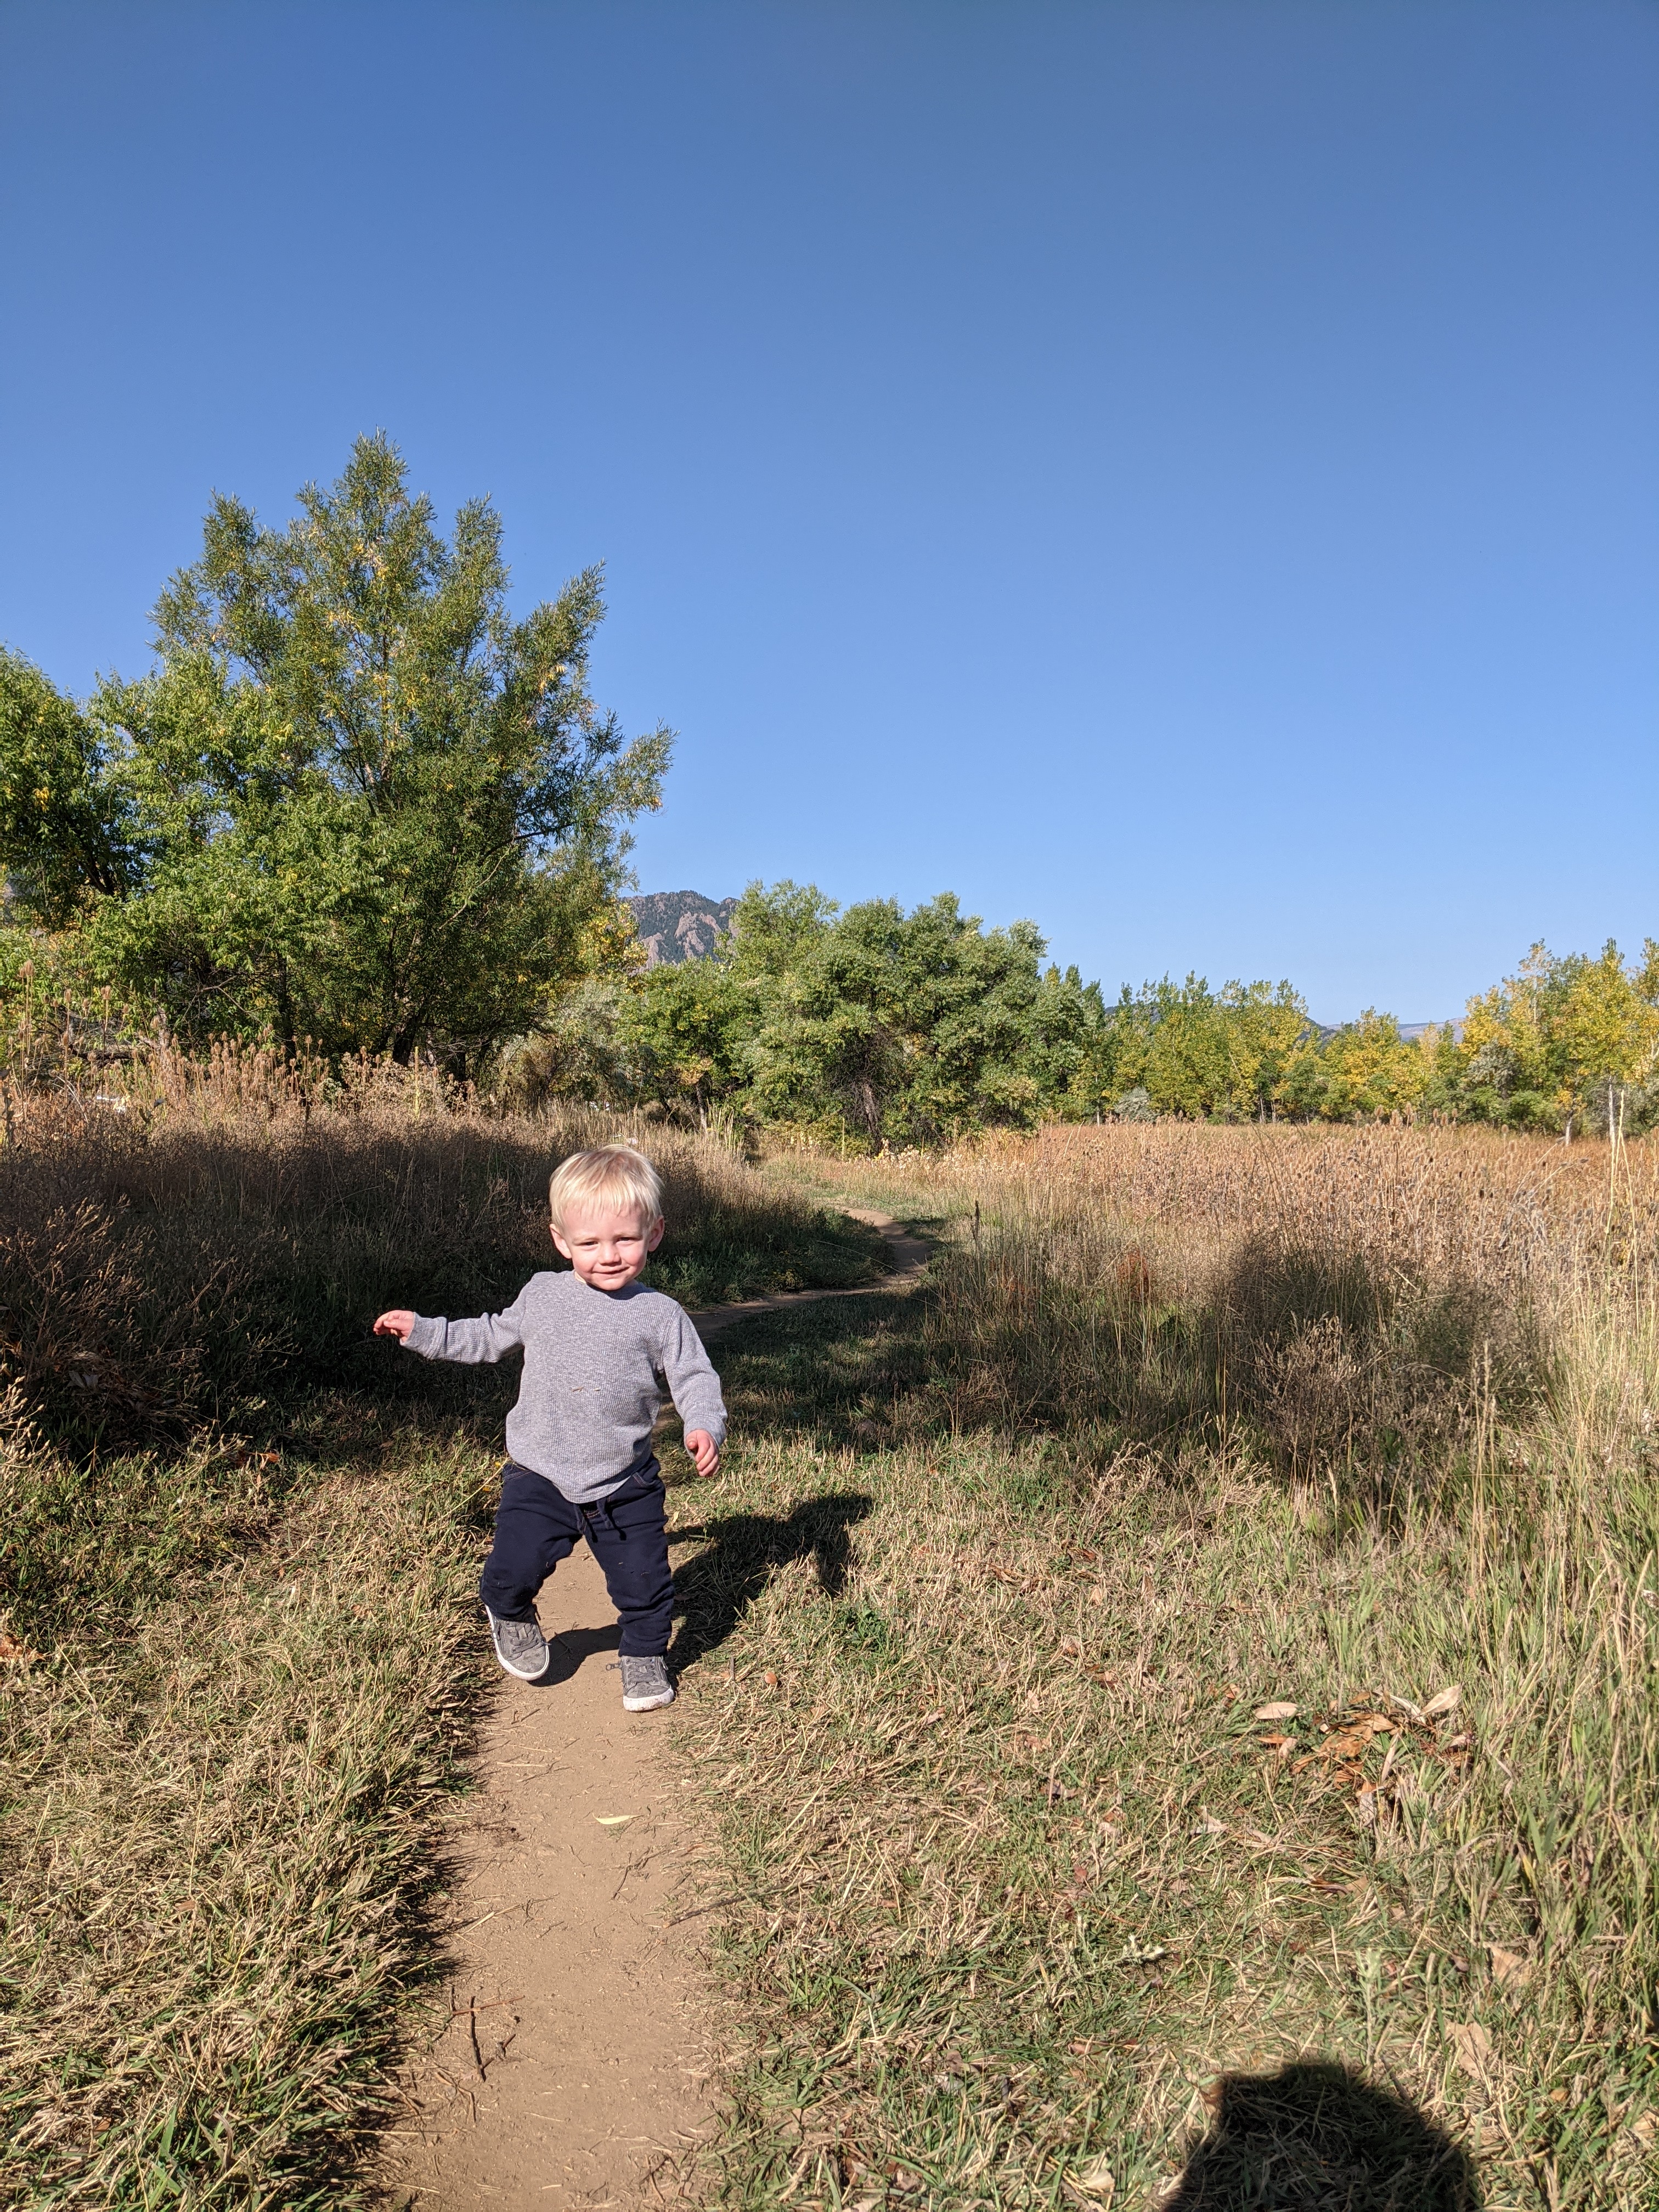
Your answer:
<point x="654" y="1234"/>
<point x="553" y="1227"/>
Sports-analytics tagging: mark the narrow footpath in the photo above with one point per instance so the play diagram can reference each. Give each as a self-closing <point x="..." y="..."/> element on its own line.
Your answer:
<point x="574" y="2065"/>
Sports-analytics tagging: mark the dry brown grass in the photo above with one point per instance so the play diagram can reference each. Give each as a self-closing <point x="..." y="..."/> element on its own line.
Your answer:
<point x="237" y="1577"/>
<point x="217" y="1832"/>
<point x="1366" y="1301"/>
<point x="231" y="1232"/>
<point x="1201" y="1424"/>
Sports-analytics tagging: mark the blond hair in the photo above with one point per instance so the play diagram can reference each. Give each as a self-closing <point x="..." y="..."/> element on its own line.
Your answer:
<point x="610" y="1175"/>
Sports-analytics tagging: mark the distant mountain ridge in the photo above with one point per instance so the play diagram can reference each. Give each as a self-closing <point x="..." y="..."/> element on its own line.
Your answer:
<point x="675" y="925"/>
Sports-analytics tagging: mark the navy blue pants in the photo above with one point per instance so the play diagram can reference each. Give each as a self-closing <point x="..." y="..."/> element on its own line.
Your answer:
<point x="627" y="1532"/>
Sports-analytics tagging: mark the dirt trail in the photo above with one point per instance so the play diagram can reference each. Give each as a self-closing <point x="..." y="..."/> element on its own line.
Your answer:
<point x="571" y="2071"/>
<point x="910" y="1252"/>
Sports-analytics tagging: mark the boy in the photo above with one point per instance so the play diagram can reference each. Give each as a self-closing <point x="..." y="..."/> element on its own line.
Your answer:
<point x="598" y="1349"/>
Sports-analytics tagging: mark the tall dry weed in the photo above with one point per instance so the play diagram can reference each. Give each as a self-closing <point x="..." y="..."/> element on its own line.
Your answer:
<point x="1366" y="1301"/>
<point x="231" y="1225"/>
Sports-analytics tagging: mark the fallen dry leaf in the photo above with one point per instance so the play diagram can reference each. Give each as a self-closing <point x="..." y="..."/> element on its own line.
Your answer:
<point x="1644" y="2128"/>
<point x="1509" y="1967"/>
<point x="1097" y="2178"/>
<point x="1472" y="2045"/>
<point x="1276" y="1712"/>
<point x="1342" y="1746"/>
<point x="1443" y="1701"/>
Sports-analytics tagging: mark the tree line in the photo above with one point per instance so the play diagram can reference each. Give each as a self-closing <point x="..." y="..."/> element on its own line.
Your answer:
<point x="885" y="1027"/>
<point x="356" y="808"/>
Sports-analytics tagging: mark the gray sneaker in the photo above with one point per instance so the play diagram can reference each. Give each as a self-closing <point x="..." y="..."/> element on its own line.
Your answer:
<point x="520" y="1645"/>
<point x="645" y="1685"/>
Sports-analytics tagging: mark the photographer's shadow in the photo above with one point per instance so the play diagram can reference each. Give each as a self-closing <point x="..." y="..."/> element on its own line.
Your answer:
<point x="1316" y="2135"/>
<point x="740" y="1554"/>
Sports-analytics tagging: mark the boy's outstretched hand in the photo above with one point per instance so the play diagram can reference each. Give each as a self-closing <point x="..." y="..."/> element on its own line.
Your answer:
<point x="705" y="1452"/>
<point x="395" y="1324"/>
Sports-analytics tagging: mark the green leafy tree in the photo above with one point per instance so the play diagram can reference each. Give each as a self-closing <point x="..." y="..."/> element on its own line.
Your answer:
<point x="1363" y="1070"/>
<point x="913" y="1027"/>
<point x="356" y="802"/>
<point x="66" y="834"/>
<point x="683" y="1032"/>
<point x="1205" y="1055"/>
<point x="875" y="1024"/>
<point x="1547" y="1048"/>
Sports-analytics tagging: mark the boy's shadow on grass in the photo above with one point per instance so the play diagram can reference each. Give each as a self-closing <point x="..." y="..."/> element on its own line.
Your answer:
<point x="740" y="1554"/>
<point x="1316" y="2135"/>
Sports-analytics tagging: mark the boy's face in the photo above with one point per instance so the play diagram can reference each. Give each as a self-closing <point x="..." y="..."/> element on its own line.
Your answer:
<point x="608" y="1249"/>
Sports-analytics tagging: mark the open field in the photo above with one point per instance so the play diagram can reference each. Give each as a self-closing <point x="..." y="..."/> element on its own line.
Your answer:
<point x="238" y="1656"/>
<point x="1016" y="1899"/>
<point x="1204" y="1425"/>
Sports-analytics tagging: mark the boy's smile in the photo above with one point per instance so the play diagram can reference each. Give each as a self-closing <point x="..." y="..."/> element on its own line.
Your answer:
<point x="608" y="1249"/>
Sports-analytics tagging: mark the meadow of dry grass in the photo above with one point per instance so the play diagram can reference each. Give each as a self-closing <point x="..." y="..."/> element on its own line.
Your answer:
<point x="1176" y="1693"/>
<point x="1192" y="1738"/>
<point x="238" y="1650"/>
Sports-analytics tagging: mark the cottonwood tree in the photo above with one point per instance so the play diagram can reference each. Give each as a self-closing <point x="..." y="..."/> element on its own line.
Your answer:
<point x="356" y="801"/>
<point x="1200" y="1054"/>
<point x="1560" y="1044"/>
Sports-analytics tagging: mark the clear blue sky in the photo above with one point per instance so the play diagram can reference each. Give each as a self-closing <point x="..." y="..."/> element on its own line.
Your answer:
<point x="1186" y="472"/>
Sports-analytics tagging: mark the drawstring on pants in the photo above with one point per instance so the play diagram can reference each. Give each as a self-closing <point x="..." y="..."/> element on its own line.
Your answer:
<point x="602" y="1508"/>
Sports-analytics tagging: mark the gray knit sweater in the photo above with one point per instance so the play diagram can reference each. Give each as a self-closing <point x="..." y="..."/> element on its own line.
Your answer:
<point x="596" y="1364"/>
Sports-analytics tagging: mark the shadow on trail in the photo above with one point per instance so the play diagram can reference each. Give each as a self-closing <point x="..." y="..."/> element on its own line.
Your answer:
<point x="741" y="1553"/>
<point x="569" y="1647"/>
<point x="1315" y="2135"/>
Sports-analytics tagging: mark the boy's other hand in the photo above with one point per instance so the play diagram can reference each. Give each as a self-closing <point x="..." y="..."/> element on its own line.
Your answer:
<point x="395" y="1324"/>
<point x="705" y="1452"/>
